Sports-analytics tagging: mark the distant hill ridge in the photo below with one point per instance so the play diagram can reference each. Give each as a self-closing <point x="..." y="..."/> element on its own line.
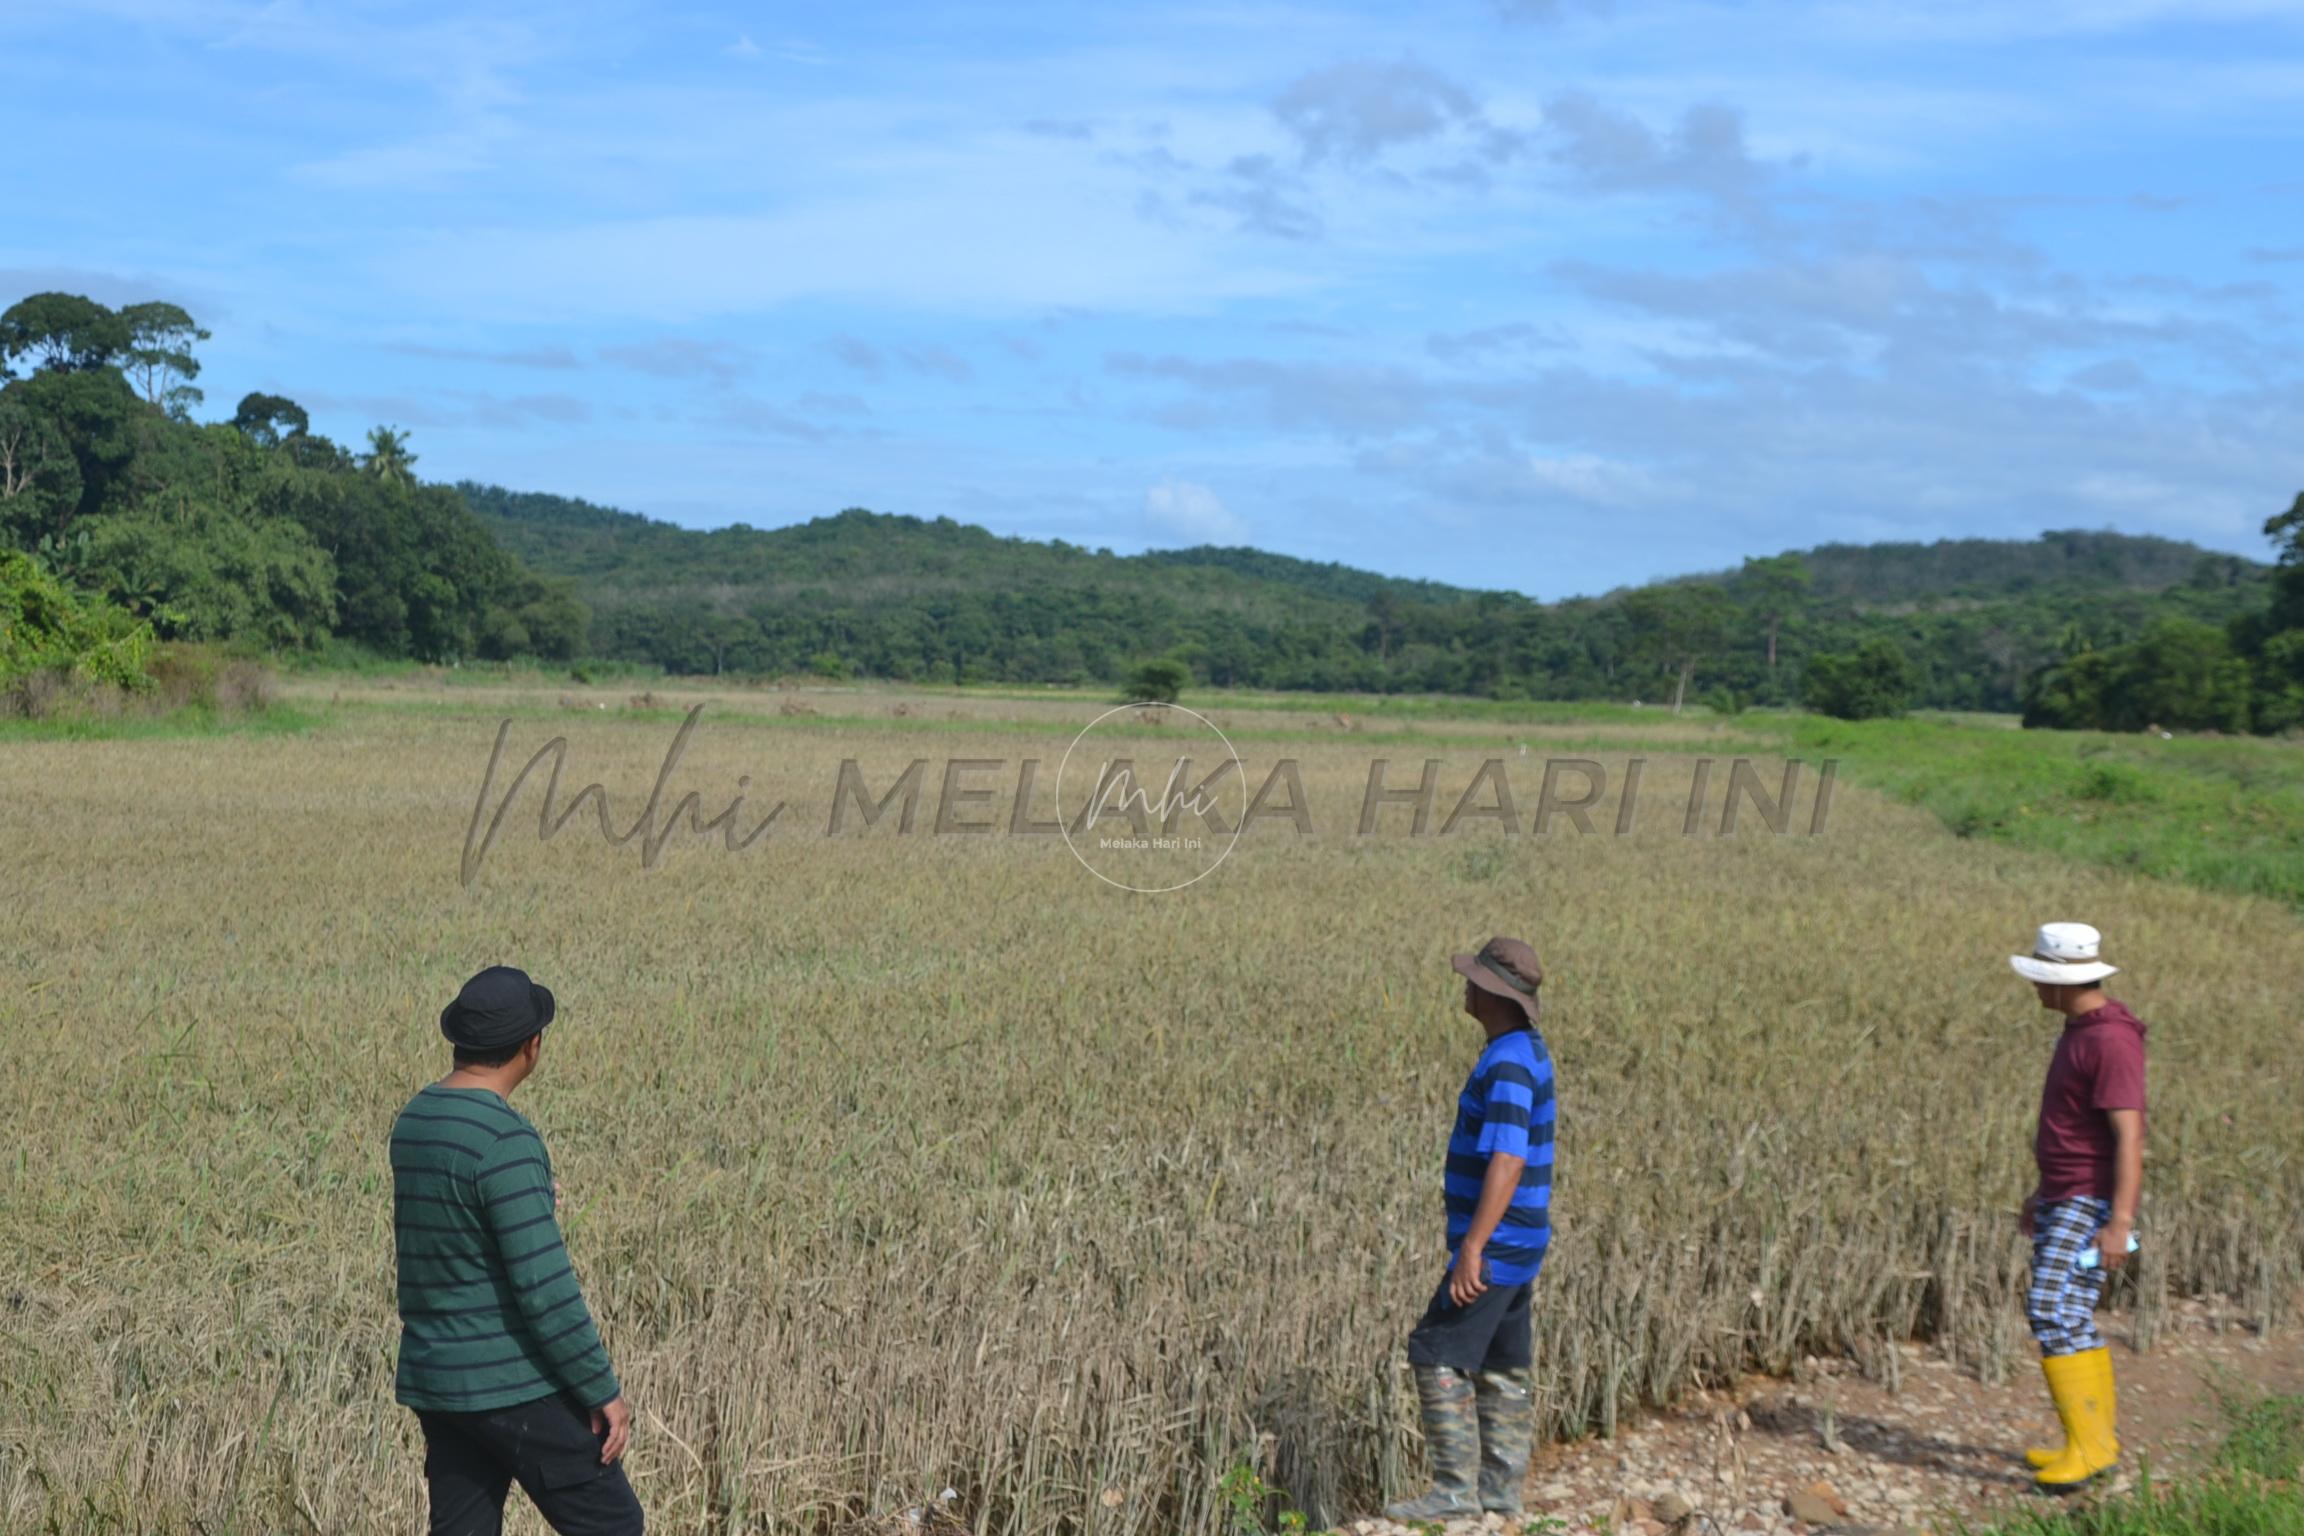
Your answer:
<point x="863" y="593"/>
<point x="559" y="532"/>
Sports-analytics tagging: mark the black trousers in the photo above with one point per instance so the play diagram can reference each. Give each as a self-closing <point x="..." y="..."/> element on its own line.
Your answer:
<point x="472" y="1459"/>
<point x="1492" y="1334"/>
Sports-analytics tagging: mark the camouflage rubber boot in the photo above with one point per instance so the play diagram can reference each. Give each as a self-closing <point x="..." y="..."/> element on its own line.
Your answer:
<point x="1507" y="1425"/>
<point x="1452" y="1442"/>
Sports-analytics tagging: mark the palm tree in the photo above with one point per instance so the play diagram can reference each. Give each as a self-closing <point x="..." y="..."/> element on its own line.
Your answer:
<point x="388" y="456"/>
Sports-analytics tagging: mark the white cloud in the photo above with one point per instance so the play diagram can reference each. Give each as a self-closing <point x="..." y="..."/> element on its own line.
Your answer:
<point x="1181" y="509"/>
<point x="1587" y="477"/>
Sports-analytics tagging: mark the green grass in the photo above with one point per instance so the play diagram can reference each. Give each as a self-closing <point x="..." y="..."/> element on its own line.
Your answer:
<point x="2266" y="1440"/>
<point x="2224" y="813"/>
<point x="348" y="660"/>
<point x="2250" y="1491"/>
<point x="2212" y="1507"/>
<point x="192" y="720"/>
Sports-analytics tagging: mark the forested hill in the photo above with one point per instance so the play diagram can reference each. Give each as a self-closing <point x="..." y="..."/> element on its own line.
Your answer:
<point x="1906" y="572"/>
<point x="624" y="551"/>
<point x="132" y="519"/>
<point x="865" y="593"/>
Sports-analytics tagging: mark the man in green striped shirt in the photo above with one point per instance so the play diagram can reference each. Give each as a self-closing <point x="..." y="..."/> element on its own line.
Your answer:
<point x="498" y="1353"/>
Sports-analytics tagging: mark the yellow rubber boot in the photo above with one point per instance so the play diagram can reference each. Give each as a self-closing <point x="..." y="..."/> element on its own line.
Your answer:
<point x="2109" y="1447"/>
<point x="2083" y="1388"/>
<point x="2100" y="1361"/>
<point x="2053" y="1367"/>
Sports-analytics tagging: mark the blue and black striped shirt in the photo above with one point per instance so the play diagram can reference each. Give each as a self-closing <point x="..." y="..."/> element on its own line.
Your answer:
<point x="1506" y="1109"/>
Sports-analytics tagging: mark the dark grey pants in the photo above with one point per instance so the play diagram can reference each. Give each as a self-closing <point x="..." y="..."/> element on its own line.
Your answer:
<point x="1492" y="1334"/>
<point x="471" y="1461"/>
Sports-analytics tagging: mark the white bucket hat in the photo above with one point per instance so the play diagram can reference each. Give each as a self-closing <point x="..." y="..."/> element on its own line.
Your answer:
<point x="2064" y="955"/>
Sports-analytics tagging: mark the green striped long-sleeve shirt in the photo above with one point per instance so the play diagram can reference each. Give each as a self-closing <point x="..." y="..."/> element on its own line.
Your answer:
<point x="490" y="1311"/>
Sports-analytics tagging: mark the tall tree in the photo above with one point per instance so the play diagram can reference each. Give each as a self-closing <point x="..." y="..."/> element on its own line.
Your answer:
<point x="2286" y="530"/>
<point x="1777" y="585"/>
<point x="388" y="458"/>
<point x="158" y="356"/>
<point x="1678" y="628"/>
<point x="60" y="332"/>
<point x="96" y="414"/>
<point x="270" y="420"/>
<point x="36" y="464"/>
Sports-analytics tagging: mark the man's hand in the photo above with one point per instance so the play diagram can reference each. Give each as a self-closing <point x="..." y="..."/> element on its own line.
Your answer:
<point x="1465" y="1282"/>
<point x="555" y="1196"/>
<point x="1496" y="1186"/>
<point x="2027" y="1218"/>
<point x="2127" y="1184"/>
<point x="614" y="1419"/>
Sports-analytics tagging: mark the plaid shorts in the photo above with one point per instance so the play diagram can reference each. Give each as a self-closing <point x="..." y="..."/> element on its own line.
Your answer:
<point x="2060" y="1303"/>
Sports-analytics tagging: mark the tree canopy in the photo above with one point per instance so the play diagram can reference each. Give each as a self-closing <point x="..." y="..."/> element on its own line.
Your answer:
<point x="873" y="594"/>
<point x="253" y="530"/>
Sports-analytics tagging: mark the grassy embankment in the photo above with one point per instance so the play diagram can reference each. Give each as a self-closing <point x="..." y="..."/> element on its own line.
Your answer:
<point x="2251" y="1491"/>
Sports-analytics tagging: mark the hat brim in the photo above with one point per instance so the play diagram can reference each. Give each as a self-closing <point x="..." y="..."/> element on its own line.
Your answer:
<point x="1471" y="968"/>
<point x="2058" y="973"/>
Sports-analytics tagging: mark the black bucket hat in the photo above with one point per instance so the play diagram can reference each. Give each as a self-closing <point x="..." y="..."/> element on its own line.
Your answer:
<point x="497" y="1008"/>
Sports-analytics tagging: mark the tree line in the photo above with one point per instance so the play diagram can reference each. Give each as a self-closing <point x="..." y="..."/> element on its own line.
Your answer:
<point x="2180" y="673"/>
<point x="253" y="530"/>
<point x="256" y="531"/>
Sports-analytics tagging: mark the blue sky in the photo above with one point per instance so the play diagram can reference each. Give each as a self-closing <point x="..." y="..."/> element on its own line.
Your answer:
<point x="1549" y="296"/>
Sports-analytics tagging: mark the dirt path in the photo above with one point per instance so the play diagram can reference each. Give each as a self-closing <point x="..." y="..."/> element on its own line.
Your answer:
<point x="1942" y="1446"/>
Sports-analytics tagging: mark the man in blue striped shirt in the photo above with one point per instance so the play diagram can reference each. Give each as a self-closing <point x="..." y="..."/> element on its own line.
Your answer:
<point x="1472" y="1350"/>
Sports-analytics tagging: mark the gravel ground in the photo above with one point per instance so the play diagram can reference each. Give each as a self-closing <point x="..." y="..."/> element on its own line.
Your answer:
<point x="1832" y="1452"/>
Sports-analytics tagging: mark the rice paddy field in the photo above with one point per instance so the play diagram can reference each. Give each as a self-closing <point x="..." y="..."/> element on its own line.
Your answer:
<point x="903" y="1160"/>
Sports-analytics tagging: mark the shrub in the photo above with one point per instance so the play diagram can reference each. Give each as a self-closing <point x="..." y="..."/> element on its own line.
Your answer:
<point x="1160" y="681"/>
<point x="191" y="676"/>
<point x="1874" y="682"/>
<point x="55" y="642"/>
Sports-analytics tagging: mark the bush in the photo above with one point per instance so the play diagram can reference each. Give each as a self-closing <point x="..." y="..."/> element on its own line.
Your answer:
<point x="2179" y="675"/>
<point x="64" y="653"/>
<point x="1874" y="682"/>
<point x="55" y="642"/>
<point x="1160" y="681"/>
<point x="203" y="677"/>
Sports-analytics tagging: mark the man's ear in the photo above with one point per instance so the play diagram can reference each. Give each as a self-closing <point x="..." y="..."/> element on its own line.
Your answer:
<point x="534" y="1048"/>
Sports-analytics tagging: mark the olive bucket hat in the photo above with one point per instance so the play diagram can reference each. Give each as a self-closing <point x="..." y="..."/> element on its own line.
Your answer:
<point x="1506" y="967"/>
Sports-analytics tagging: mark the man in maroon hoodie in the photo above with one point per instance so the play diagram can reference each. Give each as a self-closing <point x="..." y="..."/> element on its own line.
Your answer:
<point x="2090" y="1148"/>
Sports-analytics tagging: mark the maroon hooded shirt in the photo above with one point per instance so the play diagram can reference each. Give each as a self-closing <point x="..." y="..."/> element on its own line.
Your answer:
<point x="2098" y="1066"/>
